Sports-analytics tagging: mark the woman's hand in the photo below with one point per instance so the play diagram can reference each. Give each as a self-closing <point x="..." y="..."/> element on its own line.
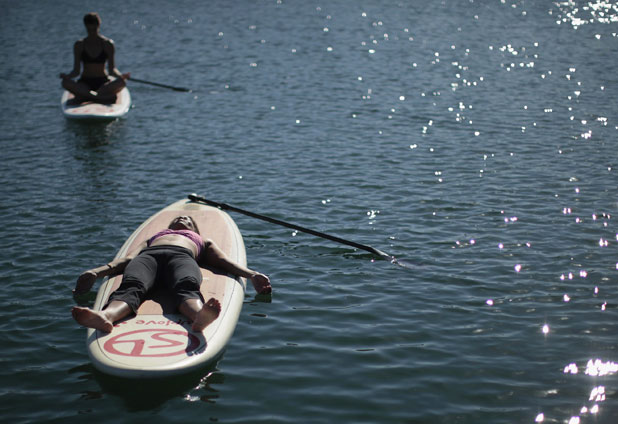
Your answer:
<point x="261" y="283"/>
<point x="85" y="282"/>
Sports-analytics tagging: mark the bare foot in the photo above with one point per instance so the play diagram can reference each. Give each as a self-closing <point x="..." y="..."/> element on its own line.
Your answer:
<point x="209" y="312"/>
<point x="92" y="319"/>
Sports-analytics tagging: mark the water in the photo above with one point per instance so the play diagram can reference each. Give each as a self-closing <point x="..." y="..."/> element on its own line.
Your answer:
<point x="472" y="140"/>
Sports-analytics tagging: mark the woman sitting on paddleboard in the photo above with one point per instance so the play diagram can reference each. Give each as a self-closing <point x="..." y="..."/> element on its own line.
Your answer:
<point x="173" y="255"/>
<point x="94" y="84"/>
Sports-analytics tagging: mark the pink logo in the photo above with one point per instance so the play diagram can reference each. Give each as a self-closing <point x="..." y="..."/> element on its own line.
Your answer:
<point x="152" y="343"/>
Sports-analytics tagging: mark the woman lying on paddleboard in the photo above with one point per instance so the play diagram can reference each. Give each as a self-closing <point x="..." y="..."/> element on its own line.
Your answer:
<point x="173" y="254"/>
<point x="94" y="84"/>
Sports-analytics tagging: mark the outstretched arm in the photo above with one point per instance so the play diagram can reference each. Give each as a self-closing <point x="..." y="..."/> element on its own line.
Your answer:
<point x="215" y="257"/>
<point x="115" y="267"/>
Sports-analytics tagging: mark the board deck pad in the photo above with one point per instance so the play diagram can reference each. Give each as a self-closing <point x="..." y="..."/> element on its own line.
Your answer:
<point x="95" y="111"/>
<point x="158" y="340"/>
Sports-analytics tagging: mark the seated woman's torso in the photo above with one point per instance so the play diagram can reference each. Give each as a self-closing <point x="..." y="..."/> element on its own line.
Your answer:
<point x="93" y="70"/>
<point x="93" y="66"/>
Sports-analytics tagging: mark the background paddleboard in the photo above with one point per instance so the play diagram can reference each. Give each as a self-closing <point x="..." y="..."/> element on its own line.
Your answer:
<point x="158" y="340"/>
<point x="95" y="111"/>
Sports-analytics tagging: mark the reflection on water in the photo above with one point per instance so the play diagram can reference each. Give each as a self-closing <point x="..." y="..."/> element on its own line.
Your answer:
<point x="594" y="368"/>
<point x="599" y="368"/>
<point x="599" y="11"/>
<point x="93" y="134"/>
<point x="147" y="394"/>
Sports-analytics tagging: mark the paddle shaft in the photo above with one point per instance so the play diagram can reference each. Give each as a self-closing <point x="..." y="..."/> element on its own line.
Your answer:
<point x="196" y="198"/>
<point x="171" y="87"/>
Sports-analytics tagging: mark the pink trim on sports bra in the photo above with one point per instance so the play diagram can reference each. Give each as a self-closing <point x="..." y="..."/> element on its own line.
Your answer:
<point x="191" y="235"/>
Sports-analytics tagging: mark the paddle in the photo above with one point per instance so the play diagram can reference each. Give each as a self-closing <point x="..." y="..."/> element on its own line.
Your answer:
<point x="160" y="85"/>
<point x="195" y="198"/>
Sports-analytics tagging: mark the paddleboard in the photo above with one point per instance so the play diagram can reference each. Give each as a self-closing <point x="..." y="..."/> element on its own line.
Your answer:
<point x="95" y="111"/>
<point x="158" y="340"/>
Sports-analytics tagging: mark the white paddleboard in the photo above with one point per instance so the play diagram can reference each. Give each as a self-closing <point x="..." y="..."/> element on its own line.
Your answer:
<point x="95" y="111"/>
<point x="158" y="340"/>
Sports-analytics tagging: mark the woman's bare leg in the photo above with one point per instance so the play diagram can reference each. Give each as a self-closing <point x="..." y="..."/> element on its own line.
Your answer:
<point x="111" y="88"/>
<point x="80" y="90"/>
<point x="101" y="320"/>
<point x="201" y="314"/>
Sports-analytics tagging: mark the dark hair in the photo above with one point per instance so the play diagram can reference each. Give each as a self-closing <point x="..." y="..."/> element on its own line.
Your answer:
<point x="197" y="230"/>
<point x="92" y="18"/>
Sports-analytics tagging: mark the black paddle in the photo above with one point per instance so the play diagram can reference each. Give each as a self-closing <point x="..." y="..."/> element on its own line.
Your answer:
<point x="195" y="198"/>
<point x="160" y="85"/>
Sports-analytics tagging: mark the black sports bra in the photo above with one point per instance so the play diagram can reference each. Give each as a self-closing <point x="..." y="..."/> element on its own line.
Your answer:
<point x="101" y="58"/>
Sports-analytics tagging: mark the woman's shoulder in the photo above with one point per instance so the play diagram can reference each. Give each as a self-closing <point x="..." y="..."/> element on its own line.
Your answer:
<point x="107" y="41"/>
<point x="108" y="45"/>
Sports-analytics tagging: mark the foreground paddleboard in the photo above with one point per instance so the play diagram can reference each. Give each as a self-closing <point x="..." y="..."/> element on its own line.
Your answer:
<point x="158" y="341"/>
<point x="95" y="111"/>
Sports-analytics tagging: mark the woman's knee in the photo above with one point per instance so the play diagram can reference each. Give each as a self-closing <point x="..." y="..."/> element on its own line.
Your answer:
<point x="68" y="84"/>
<point x="187" y="290"/>
<point x="113" y="87"/>
<point x="188" y="283"/>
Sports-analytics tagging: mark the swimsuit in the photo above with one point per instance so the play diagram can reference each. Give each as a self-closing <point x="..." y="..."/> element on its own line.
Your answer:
<point x="100" y="58"/>
<point x="94" y="83"/>
<point x="191" y="235"/>
<point x="171" y="267"/>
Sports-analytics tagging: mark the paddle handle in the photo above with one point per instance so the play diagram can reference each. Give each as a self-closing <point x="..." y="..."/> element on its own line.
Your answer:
<point x="195" y="198"/>
<point x="171" y="87"/>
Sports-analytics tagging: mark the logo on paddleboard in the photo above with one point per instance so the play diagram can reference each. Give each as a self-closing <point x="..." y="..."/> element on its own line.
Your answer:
<point x="152" y="343"/>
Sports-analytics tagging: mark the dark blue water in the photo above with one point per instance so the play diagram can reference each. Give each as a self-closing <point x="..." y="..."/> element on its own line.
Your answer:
<point x="473" y="140"/>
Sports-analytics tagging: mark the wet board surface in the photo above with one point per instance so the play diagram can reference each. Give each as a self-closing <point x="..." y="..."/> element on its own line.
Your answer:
<point x="158" y="340"/>
<point x="95" y="111"/>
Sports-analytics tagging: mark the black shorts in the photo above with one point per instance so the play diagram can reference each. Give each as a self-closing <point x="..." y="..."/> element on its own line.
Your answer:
<point x="171" y="267"/>
<point x="94" y="83"/>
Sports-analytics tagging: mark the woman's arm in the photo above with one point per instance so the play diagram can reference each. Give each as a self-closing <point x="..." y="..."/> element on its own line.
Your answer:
<point x="111" y="61"/>
<point x="77" y="62"/>
<point x="215" y="257"/>
<point x="115" y="267"/>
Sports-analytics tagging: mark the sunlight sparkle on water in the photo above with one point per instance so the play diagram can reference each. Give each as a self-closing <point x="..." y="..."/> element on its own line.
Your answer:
<point x="598" y="368"/>
<point x="545" y="329"/>
<point x="539" y="418"/>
